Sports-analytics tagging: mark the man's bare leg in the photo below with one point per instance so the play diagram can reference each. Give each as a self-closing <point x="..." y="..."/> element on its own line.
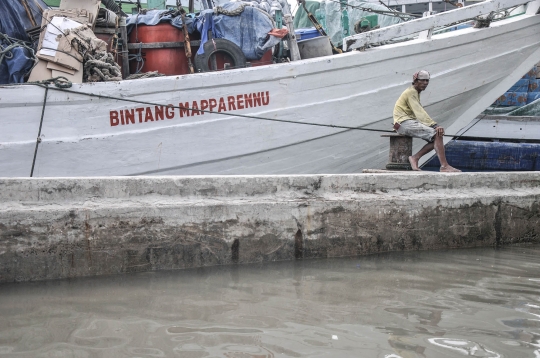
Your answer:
<point x="415" y="158"/>
<point x="439" y="149"/>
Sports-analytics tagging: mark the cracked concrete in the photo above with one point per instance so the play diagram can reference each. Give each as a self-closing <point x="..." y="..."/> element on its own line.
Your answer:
<point x="73" y="227"/>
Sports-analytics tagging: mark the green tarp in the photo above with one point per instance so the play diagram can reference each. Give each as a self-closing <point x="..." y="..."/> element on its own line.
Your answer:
<point x="301" y="20"/>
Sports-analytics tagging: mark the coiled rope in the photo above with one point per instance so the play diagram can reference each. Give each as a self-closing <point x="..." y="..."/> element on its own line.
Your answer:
<point x="101" y="67"/>
<point x="220" y="10"/>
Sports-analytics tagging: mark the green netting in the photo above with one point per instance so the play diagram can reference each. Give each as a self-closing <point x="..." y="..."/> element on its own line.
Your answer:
<point x="531" y="109"/>
<point x="332" y="16"/>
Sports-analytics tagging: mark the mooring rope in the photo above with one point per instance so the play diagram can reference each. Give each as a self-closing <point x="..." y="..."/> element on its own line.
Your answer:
<point x="60" y="82"/>
<point x="38" y="140"/>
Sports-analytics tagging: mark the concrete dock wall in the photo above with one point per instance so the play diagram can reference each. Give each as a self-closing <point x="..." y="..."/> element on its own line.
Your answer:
<point x="72" y="227"/>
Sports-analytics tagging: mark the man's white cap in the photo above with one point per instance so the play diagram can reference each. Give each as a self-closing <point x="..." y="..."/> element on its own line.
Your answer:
<point x="421" y="75"/>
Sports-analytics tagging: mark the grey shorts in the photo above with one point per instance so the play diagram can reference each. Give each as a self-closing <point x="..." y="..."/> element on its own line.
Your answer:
<point x="416" y="129"/>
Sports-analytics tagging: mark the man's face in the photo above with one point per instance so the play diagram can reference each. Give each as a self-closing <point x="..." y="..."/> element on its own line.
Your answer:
<point x="420" y="85"/>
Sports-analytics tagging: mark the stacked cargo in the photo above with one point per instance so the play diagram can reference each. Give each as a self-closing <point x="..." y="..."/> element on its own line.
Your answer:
<point x="524" y="91"/>
<point x="56" y="50"/>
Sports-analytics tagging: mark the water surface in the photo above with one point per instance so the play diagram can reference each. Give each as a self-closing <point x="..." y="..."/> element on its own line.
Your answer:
<point x="478" y="303"/>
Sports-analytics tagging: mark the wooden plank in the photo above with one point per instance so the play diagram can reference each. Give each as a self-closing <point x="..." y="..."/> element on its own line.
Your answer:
<point x="136" y="46"/>
<point x="124" y="55"/>
<point x="426" y="23"/>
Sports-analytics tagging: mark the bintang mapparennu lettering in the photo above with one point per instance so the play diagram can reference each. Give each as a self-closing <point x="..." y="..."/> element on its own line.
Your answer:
<point x="189" y="109"/>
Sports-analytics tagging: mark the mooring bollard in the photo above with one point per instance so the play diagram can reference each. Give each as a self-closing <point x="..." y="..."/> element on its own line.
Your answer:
<point x="400" y="151"/>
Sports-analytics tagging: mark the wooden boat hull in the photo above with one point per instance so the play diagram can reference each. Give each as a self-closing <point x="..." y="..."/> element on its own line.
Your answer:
<point x="83" y="135"/>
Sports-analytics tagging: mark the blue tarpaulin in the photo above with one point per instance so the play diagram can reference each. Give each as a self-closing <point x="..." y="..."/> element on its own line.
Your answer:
<point x="249" y="30"/>
<point x="154" y="17"/>
<point x="13" y="18"/>
<point x="14" y="22"/>
<point x="15" y="65"/>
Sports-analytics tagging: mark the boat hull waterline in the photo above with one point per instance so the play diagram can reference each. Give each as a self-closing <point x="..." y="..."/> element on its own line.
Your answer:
<point x="83" y="135"/>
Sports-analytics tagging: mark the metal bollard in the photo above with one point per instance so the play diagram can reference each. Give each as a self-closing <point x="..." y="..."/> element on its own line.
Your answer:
<point x="400" y="151"/>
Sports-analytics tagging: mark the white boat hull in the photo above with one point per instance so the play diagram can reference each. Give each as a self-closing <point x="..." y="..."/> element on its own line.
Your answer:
<point x="84" y="136"/>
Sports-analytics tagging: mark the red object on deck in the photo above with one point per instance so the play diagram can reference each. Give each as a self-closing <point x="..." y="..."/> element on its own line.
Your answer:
<point x="265" y="60"/>
<point x="168" y="61"/>
<point x="172" y="61"/>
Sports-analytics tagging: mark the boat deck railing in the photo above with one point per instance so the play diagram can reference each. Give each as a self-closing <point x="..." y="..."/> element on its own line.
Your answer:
<point x="425" y="25"/>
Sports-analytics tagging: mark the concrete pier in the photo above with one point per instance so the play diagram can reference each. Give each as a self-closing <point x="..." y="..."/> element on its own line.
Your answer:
<point x="72" y="227"/>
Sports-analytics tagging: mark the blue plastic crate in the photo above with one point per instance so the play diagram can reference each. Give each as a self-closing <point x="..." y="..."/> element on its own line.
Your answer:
<point x="512" y="99"/>
<point x="534" y="85"/>
<point x="488" y="156"/>
<point x="520" y="86"/>
<point x="305" y="34"/>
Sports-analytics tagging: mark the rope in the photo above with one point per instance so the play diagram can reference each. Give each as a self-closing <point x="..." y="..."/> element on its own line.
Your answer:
<point x="10" y="44"/>
<point x="38" y="140"/>
<point x="101" y="67"/>
<point x="60" y="82"/>
<point x="137" y="76"/>
<point x="480" y="22"/>
<point x="220" y="10"/>
<point x="361" y="128"/>
<point x="137" y="57"/>
<point x="390" y="9"/>
<point x="380" y="12"/>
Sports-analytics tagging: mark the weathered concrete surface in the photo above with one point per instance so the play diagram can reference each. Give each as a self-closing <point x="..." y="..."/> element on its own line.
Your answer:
<point x="71" y="227"/>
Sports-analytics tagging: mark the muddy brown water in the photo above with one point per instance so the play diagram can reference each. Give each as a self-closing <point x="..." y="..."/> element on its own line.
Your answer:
<point x="476" y="302"/>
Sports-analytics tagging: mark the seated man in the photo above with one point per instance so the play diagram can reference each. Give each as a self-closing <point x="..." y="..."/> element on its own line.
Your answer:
<point x="412" y="120"/>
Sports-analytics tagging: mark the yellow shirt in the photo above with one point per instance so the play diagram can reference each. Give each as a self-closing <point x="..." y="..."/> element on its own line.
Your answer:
<point x="408" y="107"/>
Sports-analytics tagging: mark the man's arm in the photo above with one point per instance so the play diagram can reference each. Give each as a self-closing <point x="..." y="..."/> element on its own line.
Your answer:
<point x="419" y="111"/>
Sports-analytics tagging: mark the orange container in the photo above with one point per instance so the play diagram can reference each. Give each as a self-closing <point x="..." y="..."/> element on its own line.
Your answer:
<point x="168" y="61"/>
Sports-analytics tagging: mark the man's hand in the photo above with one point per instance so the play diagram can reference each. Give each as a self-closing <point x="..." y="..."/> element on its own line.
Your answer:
<point x="440" y="131"/>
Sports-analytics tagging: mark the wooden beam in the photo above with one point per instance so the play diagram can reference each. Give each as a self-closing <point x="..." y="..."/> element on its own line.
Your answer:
<point x="136" y="46"/>
<point x="427" y="23"/>
<point x="124" y="48"/>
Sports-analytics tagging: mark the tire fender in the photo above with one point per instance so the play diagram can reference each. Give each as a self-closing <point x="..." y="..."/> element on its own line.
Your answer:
<point x="221" y="45"/>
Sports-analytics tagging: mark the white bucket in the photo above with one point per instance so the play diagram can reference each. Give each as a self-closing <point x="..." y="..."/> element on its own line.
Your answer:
<point x="315" y="47"/>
